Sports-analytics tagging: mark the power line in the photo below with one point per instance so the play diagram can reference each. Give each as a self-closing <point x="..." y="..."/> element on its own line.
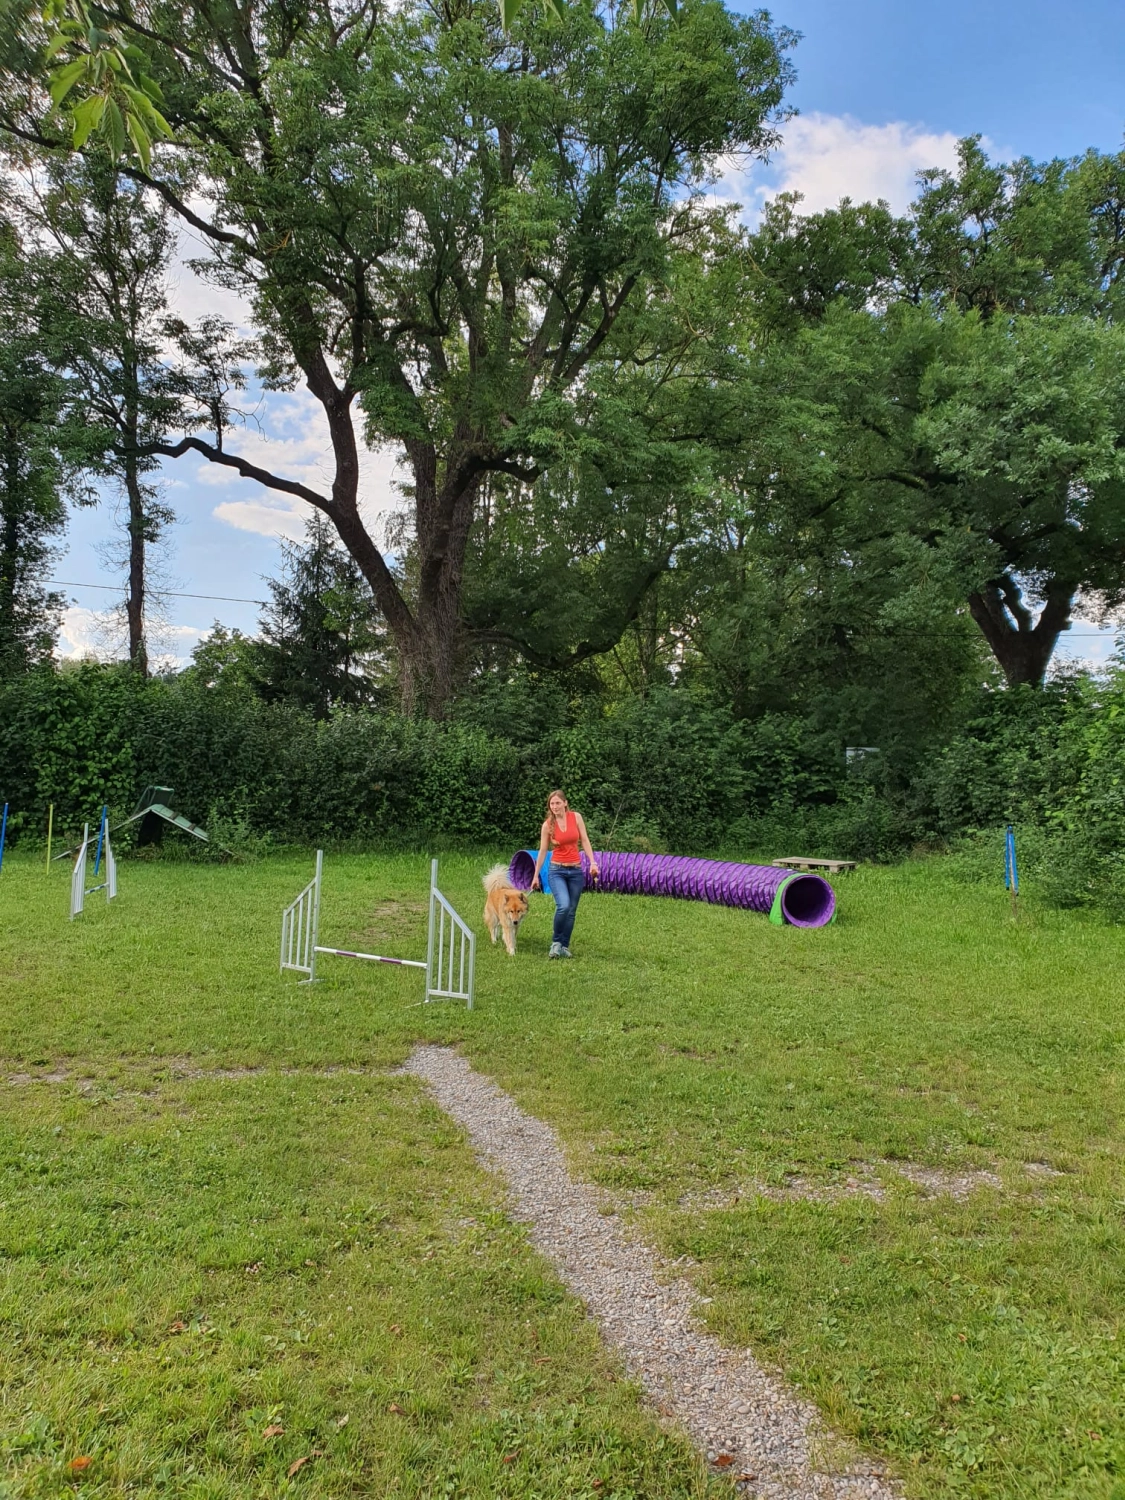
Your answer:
<point x="110" y="588"/>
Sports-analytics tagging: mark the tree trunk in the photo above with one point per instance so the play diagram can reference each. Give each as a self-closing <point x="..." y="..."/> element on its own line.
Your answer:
<point x="1022" y="648"/>
<point x="404" y="629"/>
<point x="135" y="594"/>
<point x="428" y="653"/>
<point x="9" y="559"/>
<point x="427" y="638"/>
<point x="444" y="520"/>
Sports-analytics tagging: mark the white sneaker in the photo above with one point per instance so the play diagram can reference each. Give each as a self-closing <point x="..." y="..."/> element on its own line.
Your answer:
<point x="565" y="953"/>
<point x="555" y="950"/>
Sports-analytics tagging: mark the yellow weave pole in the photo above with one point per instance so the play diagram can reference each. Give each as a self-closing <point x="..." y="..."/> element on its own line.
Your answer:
<point x="50" y="831"/>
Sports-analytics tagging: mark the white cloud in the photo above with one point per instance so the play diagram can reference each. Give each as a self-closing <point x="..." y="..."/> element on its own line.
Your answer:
<point x="87" y="634"/>
<point x="291" y="439"/>
<point x="170" y="646"/>
<point x="826" y="158"/>
<point x="280" y="518"/>
<point x="829" y="157"/>
<point x="99" y="635"/>
<point x="193" y="298"/>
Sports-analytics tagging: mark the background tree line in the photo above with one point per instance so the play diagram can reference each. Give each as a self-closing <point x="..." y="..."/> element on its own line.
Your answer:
<point x="670" y="771"/>
<point x="825" y="482"/>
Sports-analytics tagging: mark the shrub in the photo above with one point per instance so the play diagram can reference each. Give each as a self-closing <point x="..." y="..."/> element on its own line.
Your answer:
<point x="671" y="771"/>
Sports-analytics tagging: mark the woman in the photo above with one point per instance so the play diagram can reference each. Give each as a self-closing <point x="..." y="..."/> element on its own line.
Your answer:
<point x="562" y="832"/>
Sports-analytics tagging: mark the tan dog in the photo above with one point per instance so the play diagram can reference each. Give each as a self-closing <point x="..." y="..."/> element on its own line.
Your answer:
<point x="504" y="907"/>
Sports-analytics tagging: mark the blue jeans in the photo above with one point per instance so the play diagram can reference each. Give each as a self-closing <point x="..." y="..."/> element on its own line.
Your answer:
<point x="567" y="882"/>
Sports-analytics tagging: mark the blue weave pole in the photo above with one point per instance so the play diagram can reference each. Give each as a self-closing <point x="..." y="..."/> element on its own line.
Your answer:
<point x="1011" y="873"/>
<point x="3" y="834"/>
<point x="101" y="835"/>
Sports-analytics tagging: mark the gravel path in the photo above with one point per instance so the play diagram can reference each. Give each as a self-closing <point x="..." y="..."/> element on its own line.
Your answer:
<point x="745" y="1420"/>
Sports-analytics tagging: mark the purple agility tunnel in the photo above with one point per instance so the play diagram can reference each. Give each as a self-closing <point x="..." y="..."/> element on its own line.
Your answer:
<point x="800" y="900"/>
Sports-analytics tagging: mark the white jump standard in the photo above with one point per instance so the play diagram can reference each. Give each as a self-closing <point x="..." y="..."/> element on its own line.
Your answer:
<point x="450" y="942"/>
<point x="78" y="887"/>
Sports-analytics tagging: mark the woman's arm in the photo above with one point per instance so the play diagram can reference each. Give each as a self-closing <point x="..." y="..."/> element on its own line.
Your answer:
<point x="585" y="837"/>
<point x="543" y="832"/>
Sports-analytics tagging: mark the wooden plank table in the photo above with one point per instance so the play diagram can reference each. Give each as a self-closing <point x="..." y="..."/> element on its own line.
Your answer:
<point x="833" y="866"/>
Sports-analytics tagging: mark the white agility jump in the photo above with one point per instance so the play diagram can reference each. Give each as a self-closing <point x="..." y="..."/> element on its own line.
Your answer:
<point x="450" y="943"/>
<point x="78" y="888"/>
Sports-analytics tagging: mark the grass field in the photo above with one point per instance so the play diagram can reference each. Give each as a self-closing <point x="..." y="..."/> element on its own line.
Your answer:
<point x="220" y="1216"/>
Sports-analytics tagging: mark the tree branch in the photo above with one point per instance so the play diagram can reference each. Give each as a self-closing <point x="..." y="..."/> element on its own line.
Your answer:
<point x="600" y="333"/>
<point x="244" y="467"/>
<point x="608" y="638"/>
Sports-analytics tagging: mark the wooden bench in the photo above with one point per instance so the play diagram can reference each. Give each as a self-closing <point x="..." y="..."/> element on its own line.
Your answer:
<point x="833" y="866"/>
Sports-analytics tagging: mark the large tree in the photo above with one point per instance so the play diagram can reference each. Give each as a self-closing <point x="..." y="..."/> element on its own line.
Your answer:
<point x="961" y="367"/>
<point x="103" y="261"/>
<point x="441" y="227"/>
<point x="40" y="450"/>
<point x="1021" y="436"/>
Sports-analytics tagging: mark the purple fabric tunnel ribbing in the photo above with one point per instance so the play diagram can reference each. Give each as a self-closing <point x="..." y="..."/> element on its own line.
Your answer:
<point x="806" y="901"/>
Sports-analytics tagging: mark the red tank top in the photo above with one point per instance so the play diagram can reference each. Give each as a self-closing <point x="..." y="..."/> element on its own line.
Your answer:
<point x="564" y="841"/>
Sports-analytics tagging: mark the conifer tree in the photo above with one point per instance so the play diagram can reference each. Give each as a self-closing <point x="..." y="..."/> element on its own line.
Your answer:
<point x="320" y="644"/>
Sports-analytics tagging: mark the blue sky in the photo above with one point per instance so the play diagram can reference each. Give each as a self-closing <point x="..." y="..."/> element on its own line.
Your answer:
<point x="1039" y="79"/>
<point x="883" y="89"/>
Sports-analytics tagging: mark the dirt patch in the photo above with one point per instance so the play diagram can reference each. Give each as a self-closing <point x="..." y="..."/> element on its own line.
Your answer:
<point x="19" y="1080"/>
<point x="151" y="1073"/>
<point x="392" y="924"/>
<point x="936" y="1182"/>
<point x="792" y="1189"/>
<point x="399" y="908"/>
<point x="867" y="1180"/>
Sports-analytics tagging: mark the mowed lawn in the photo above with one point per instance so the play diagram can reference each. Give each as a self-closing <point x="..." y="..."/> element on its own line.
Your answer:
<point x="221" y="1214"/>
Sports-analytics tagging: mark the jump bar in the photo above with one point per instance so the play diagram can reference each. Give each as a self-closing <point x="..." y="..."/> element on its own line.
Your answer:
<point x="375" y="958"/>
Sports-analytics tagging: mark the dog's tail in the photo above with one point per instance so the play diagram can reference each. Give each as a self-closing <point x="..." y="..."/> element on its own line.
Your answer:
<point x="498" y="876"/>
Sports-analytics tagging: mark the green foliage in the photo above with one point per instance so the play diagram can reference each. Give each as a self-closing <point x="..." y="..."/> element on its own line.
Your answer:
<point x="89" y="61"/>
<point x="68" y="738"/>
<point x="97" y="252"/>
<point x="1026" y="422"/>
<point x="223" y="662"/>
<point x="1053" y="762"/>
<point x="949" y="382"/>
<point x="34" y="445"/>
<point x="672" y="770"/>
<point x="319" y="646"/>
<point x="1014" y="239"/>
<point x="116" y="100"/>
<point x="1006" y="765"/>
